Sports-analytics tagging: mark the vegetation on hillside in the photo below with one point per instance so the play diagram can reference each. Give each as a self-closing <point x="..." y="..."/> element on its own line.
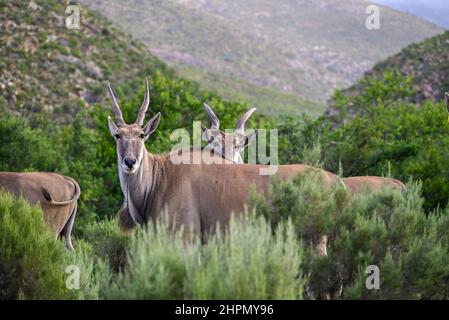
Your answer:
<point x="426" y="62"/>
<point x="304" y="49"/>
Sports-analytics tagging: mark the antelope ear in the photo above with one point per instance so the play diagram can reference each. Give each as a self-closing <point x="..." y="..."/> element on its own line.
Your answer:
<point x="446" y="99"/>
<point x="151" y="126"/>
<point x="249" y="138"/>
<point x="112" y="126"/>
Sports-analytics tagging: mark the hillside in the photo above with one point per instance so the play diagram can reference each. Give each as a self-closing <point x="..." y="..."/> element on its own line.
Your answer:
<point x="44" y="66"/>
<point x="435" y="11"/>
<point x="427" y="62"/>
<point x="291" y="50"/>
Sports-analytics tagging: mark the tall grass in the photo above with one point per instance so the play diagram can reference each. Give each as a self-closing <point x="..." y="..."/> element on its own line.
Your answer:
<point x="250" y="262"/>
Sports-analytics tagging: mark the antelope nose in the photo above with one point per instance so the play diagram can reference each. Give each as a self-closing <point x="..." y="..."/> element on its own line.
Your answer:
<point x="129" y="162"/>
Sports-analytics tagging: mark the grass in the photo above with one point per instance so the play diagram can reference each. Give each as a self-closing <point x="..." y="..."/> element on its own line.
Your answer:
<point x="252" y="261"/>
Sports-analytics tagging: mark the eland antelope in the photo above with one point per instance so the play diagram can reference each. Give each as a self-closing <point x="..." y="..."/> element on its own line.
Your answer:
<point x="196" y="196"/>
<point x="217" y="139"/>
<point x="56" y="194"/>
<point x="371" y="183"/>
<point x="238" y="141"/>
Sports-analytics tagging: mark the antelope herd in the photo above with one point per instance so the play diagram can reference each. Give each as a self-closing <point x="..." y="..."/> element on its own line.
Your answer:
<point x="198" y="197"/>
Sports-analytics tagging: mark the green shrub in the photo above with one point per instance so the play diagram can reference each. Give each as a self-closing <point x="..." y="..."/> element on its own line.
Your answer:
<point x="390" y="136"/>
<point x="389" y="229"/>
<point x="108" y="242"/>
<point x="84" y="258"/>
<point x="32" y="262"/>
<point x="250" y="262"/>
<point x="312" y="207"/>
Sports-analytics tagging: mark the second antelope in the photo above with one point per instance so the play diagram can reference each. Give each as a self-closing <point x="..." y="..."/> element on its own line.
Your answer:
<point x="231" y="148"/>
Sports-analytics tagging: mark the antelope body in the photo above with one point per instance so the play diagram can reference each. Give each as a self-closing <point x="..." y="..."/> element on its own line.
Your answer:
<point x="197" y="196"/>
<point x="371" y="183"/>
<point x="238" y="141"/>
<point x="56" y="194"/>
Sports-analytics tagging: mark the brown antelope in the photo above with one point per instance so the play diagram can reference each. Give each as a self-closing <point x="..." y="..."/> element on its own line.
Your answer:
<point x="56" y="194"/>
<point x="196" y="196"/>
<point x="371" y="183"/>
<point x="238" y="141"/>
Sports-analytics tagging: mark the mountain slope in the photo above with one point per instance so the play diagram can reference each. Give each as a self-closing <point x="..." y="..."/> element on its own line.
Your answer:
<point x="303" y="49"/>
<point x="44" y="66"/>
<point x="435" y="11"/>
<point x="427" y="62"/>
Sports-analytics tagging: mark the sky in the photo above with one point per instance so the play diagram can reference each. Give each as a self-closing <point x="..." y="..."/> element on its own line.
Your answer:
<point x="436" y="11"/>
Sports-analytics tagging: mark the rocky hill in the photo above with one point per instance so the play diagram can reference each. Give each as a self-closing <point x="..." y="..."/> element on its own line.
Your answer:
<point x="427" y="62"/>
<point x="45" y="66"/>
<point x="276" y="54"/>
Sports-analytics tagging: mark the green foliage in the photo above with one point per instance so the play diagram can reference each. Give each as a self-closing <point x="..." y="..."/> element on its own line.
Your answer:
<point x="252" y="261"/>
<point x="392" y="138"/>
<point x="16" y="137"/>
<point x="32" y="261"/>
<point x="412" y="258"/>
<point x="312" y="207"/>
<point x="388" y="229"/>
<point x="108" y="242"/>
<point x="390" y="88"/>
<point x="427" y="61"/>
<point x="403" y="141"/>
<point x="85" y="259"/>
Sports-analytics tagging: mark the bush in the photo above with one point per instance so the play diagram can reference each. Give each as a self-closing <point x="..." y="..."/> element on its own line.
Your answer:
<point x="312" y="208"/>
<point x="32" y="261"/>
<point x="250" y="262"/>
<point x="388" y="137"/>
<point x="84" y="258"/>
<point x="108" y="242"/>
<point x="388" y="229"/>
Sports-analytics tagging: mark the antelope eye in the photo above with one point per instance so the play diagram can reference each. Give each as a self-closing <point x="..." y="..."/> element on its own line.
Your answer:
<point x="117" y="136"/>
<point x="142" y="136"/>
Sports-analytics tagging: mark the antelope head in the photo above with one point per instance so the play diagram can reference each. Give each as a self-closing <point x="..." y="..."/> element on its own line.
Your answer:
<point x="130" y="138"/>
<point x="228" y="145"/>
